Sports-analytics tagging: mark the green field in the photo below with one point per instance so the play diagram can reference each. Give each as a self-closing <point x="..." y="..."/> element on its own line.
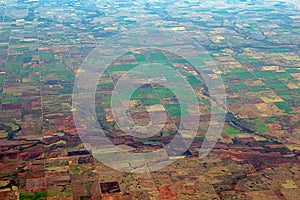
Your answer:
<point x="232" y="131"/>
<point x="33" y="196"/>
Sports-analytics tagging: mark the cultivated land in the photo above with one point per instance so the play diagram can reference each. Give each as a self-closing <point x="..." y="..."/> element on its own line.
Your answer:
<point x="256" y="48"/>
